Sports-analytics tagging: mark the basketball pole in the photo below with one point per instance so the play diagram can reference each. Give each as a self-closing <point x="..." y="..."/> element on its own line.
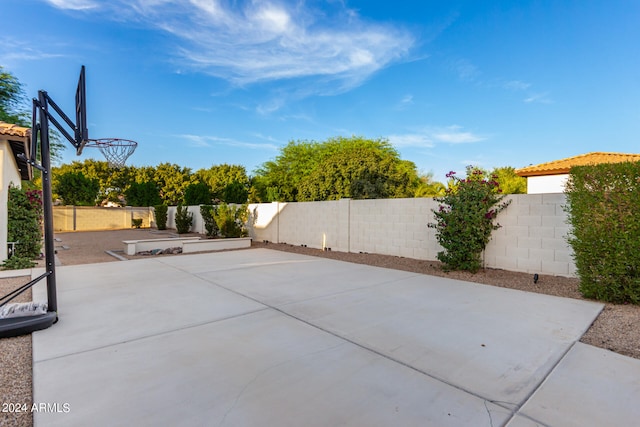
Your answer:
<point x="47" y="202"/>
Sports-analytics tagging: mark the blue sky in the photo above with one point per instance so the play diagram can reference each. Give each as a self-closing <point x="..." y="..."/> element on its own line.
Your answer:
<point x="449" y="83"/>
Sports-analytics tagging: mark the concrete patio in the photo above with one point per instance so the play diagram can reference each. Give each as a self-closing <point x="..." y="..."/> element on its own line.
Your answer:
<point x="267" y="338"/>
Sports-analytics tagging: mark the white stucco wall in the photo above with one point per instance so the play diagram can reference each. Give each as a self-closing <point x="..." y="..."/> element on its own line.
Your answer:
<point x="546" y="184"/>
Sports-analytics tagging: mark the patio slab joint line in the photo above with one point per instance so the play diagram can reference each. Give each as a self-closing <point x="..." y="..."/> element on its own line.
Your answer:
<point x="505" y="405"/>
<point x="540" y="384"/>
<point x="160" y="333"/>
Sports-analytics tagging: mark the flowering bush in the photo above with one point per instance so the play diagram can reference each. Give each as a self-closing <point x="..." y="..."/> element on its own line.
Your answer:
<point x="35" y="200"/>
<point x="24" y="221"/>
<point x="464" y="219"/>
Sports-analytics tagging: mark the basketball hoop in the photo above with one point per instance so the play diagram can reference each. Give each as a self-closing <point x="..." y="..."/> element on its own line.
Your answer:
<point x="115" y="150"/>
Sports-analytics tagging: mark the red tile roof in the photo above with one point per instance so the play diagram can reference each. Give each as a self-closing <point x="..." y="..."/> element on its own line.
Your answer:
<point x="563" y="166"/>
<point x="15" y="130"/>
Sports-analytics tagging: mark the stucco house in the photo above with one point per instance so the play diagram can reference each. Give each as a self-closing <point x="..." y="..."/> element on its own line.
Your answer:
<point x="14" y="140"/>
<point x="551" y="177"/>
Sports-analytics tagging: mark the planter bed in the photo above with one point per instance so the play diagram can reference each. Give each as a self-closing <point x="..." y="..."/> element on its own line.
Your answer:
<point x="188" y="244"/>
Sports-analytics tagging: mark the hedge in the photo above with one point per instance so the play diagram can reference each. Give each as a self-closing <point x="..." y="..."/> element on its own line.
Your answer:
<point x="603" y="206"/>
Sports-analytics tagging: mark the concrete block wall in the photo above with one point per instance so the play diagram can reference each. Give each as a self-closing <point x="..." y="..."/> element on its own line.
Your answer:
<point x="394" y="227"/>
<point x="532" y="238"/>
<point x="92" y="218"/>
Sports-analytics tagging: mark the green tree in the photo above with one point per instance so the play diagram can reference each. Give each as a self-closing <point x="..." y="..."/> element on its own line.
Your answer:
<point x="510" y="182"/>
<point x="143" y="194"/>
<point x="197" y="193"/>
<point x="359" y="173"/>
<point x="282" y="176"/>
<point x="258" y="190"/>
<point x="15" y="109"/>
<point x="172" y="181"/>
<point x="112" y="183"/>
<point x="339" y="167"/>
<point x="428" y="187"/>
<point x="12" y="100"/>
<point x="505" y="176"/>
<point x="235" y="192"/>
<point x="219" y="177"/>
<point x="76" y="189"/>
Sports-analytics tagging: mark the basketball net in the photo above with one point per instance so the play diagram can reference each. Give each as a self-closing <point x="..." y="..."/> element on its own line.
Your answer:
<point x="115" y="150"/>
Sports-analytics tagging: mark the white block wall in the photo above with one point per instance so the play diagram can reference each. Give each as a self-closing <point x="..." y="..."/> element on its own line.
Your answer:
<point x="532" y="238"/>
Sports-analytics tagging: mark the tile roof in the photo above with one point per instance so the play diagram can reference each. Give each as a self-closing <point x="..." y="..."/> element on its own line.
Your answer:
<point x="18" y="138"/>
<point x="14" y="130"/>
<point x="563" y="166"/>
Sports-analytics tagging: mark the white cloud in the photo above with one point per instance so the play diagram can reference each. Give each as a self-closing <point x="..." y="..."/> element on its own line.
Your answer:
<point x="271" y="106"/>
<point x="516" y="85"/>
<point x="453" y="135"/>
<point x="15" y="50"/>
<point x="430" y="136"/>
<point x="465" y="70"/>
<point x="411" y="140"/>
<point x="539" y="98"/>
<point x="74" y="4"/>
<point x="210" y="141"/>
<point x="251" y="41"/>
<point x="405" y="102"/>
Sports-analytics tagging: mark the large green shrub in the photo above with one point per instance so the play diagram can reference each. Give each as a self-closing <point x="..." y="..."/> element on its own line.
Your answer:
<point x="24" y="210"/>
<point x="143" y="194"/>
<point x="197" y="193"/>
<point x="235" y="192"/>
<point x="464" y="220"/>
<point x="603" y="202"/>
<point x="76" y="189"/>
<point x="231" y="220"/>
<point x="161" y="216"/>
<point x="184" y="219"/>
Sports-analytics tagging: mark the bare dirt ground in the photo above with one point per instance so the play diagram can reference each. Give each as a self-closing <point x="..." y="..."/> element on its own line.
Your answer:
<point x="616" y="329"/>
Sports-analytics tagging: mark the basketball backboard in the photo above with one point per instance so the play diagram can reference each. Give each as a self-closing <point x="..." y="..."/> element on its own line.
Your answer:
<point x="81" y="131"/>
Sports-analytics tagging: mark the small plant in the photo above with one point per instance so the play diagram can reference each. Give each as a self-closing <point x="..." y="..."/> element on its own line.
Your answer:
<point x="161" y="216"/>
<point x="17" y="263"/>
<point x="209" y="223"/>
<point x="136" y="222"/>
<point x="184" y="219"/>
<point x="231" y="220"/>
<point x="464" y="220"/>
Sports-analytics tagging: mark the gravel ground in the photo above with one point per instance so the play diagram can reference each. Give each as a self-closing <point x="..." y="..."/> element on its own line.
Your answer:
<point x="616" y="329"/>
<point x="15" y="366"/>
